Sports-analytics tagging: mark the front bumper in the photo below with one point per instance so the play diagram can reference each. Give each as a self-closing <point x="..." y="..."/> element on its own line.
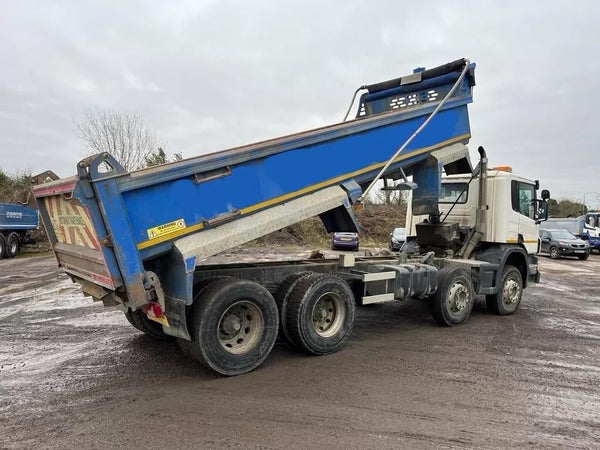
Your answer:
<point x="568" y="251"/>
<point x="396" y="246"/>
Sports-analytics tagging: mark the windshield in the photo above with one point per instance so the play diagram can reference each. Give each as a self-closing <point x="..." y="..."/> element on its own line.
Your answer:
<point x="450" y="193"/>
<point x="562" y="235"/>
<point x="399" y="232"/>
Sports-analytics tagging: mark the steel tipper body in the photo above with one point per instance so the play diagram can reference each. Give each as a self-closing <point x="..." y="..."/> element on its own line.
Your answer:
<point x="138" y="240"/>
<point x="15" y="223"/>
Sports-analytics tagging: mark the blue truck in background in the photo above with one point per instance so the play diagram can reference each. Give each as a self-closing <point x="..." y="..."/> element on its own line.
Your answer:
<point x="140" y="241"/>
<point x="16" y="221"/>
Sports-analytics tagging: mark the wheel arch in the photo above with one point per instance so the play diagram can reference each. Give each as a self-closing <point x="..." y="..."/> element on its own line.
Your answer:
<point x="503" y="255"/>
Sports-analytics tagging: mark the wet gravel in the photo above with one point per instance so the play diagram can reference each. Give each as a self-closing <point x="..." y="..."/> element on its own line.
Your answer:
<point x="76" y="375"/>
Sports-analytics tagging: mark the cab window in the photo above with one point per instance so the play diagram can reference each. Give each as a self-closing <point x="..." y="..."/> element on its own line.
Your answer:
<point x="523" y="196"/>
<point x="453" y="192"/>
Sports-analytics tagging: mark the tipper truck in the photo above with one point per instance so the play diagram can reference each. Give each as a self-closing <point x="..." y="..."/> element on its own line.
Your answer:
<point x="16" y="221"/>
<point x="139" y="240"/>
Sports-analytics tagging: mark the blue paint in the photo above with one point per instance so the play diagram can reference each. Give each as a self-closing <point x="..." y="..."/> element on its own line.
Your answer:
<point x="124" y="207"/>
<point x="284" y="173"/>
<point x="17" y="217"/>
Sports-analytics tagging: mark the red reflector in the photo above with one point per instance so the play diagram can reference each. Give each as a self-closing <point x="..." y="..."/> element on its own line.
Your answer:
<point x="153" y="309"/>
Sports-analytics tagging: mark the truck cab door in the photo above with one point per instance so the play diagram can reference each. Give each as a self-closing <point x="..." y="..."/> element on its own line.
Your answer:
<point x="523" y="202"/>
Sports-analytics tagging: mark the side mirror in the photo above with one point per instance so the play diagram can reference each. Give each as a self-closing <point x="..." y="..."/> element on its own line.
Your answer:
<point x="545" y="194"/>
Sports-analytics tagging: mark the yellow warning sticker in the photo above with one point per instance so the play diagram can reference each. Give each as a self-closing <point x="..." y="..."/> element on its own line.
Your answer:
<point x="166" y="228"/>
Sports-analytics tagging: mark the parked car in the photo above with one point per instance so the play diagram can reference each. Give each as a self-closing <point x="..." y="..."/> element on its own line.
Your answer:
<point x="344" y="241"/>
<point x="397" y="238"/>
<point x="559" y="243"/>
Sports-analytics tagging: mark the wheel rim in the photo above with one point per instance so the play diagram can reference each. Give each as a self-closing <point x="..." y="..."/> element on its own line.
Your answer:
<point x="13" y="247"/>
<point x="240" y="327"/>
<point x="328" y="314"/>
<point x="458" y="297"/>
<point x="553" y="252"/>
<point x="511" y="292"/>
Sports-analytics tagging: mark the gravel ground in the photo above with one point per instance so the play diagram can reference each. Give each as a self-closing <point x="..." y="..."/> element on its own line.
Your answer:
<point x="76" y="375"/>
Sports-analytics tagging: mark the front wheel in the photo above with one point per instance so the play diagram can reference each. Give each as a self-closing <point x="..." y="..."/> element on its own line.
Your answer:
<point x="453" y="301"/>
<point x="234" y="327"/>
<point x="554" y="253"/>
<point x="506" y="301"/>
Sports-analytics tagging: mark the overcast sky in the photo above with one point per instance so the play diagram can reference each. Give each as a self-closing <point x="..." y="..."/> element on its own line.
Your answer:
<point x="209" y="75"/>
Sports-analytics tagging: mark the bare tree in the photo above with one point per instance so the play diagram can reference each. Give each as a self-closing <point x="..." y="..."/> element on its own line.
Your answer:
<point x="387" y="197"/>
<point x="121" y="133"/>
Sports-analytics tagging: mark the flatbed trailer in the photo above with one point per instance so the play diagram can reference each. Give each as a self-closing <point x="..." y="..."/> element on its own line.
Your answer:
<point x="137" y="240"/>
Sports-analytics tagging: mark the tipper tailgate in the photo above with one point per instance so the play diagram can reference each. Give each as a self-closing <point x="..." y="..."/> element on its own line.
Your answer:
<point x="75" y="230"/>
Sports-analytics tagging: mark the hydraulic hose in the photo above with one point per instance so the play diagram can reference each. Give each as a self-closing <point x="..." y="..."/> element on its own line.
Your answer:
<point x="418" y="130"/>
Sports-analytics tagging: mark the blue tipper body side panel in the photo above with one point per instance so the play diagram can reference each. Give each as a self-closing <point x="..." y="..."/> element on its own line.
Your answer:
<point x="130" y="211"/>
<point x="17" y="217"/>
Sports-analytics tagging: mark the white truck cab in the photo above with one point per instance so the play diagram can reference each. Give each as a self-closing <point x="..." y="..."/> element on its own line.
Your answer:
<point x="511" y="215"/>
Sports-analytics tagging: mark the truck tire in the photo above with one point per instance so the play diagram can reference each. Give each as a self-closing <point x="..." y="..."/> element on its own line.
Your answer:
<point x="283" y="294"/>
<point x="320" y="314"/>
<point x="453" y="301"/>
<point x="153" y="329"/>
<point x="554" y="253"/>
<point x="129" y="317"/>
<point x="2" y="246"/>
<point x="584" y="257"/>
<point x="235" y="326"/>
<point x="12" y="245"/>
<point x="506" y="301"/>
<point x="199" y="288"/>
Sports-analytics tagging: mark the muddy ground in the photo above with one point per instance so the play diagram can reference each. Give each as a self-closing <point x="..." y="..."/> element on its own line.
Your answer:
<point x="76" y="375"/>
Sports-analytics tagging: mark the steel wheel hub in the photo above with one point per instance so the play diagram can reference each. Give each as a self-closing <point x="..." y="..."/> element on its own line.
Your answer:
<point x="458" y="297"/>
<point x="328" y="314"/>
<point x="511" y="291"/>
<point x="240" y="327"/>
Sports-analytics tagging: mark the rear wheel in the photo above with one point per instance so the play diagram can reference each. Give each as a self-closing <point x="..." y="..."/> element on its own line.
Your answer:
<point x="320" y="314"/>
<point x="584" y="257"/>
<point x="554" y="253"/>
<point x="506" y="301"/>
<point x="282" y="295"/>
<point x="453" y="301"/>
<point x="199" y="289"/>
<point x="129" y="317"/>
<point x="12" y="245"/>
<point x="140" y="321"/>
<point x="2" y="246"/>
<point x="235" y="326"/>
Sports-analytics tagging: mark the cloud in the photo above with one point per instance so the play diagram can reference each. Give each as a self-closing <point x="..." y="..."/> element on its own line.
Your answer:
<point x="214" y="74"/>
